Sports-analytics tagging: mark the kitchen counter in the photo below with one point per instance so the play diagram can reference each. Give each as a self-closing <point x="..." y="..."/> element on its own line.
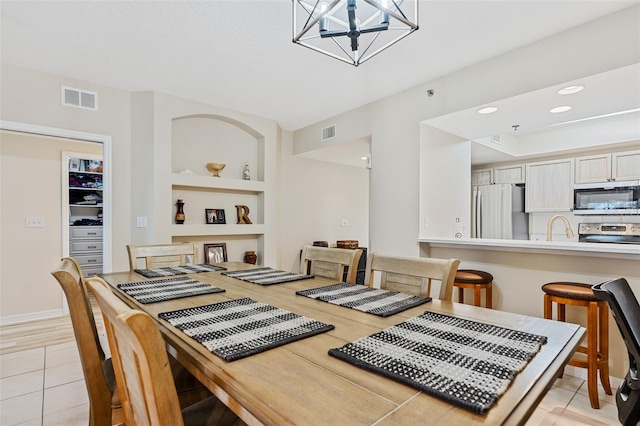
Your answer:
<point x="619" y="251"/>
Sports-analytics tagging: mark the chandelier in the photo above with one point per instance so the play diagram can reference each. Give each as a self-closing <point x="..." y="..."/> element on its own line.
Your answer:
<point x="352" y="31"/>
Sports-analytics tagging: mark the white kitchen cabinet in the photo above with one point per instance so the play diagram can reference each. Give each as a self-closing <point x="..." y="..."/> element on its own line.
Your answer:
<point x="625" y="165"/>
<point x="509" y="174"/>
<point x="549" y="186"/>
<point x="593" y="168"/>
<point x="618" y="166"/>
<point x="482" y="177"/>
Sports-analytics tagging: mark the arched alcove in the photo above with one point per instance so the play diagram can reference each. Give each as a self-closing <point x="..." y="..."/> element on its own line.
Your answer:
<point x="203" y="138"/>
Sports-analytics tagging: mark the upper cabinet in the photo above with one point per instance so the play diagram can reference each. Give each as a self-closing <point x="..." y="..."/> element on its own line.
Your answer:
<point x="625" y="165"/>
<point x="509" y="174"/>
<point x="618" y="166"/>
<point x="482" y="177"/>
<point x="513" y="173"/>
<point x="549" y="186"/>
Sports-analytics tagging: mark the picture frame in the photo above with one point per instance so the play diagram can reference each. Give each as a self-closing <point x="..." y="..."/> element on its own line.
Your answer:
<point x="214" y="216"/>
<point x="215" y="253"/>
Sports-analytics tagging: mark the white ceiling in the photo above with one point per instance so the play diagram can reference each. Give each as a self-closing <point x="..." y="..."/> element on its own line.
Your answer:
<point x="610" y="100"/>
<point x="239" y="54"/>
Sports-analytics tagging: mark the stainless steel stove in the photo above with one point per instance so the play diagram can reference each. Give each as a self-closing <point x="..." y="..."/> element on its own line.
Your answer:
<point x="617" y="233"/>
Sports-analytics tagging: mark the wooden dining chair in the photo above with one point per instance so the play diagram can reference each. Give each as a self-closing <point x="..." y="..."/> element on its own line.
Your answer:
<point x="162" y="255"/>
<point x="142" y="370"/>
<point x="412" y="275"/>
<point x="104" y="398"/>
<point x="330" y="262"/>
<point x="104" y="401"/>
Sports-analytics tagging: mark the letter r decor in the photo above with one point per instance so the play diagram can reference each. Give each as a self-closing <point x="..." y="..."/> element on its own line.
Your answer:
<point x="243" y="214"/>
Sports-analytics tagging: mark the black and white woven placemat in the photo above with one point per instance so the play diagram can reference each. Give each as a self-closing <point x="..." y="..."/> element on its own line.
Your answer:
<point x="238" y="328"/>
<point x="178" y="270"/>
<point x="266" y="276"/>
<point x="467" y="363"/>
<point x="167" y="289"/>
<point x="366" y="299"/>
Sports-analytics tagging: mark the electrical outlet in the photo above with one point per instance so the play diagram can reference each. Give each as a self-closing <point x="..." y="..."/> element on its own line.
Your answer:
<point x="34" y="222"/>
<point x="426" y="222"/>
<point x="141" y="222"/>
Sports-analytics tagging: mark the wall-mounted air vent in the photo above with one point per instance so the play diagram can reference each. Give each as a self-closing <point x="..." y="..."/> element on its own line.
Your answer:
<point x="79" y="98"/>
<point x="329" y="132"/>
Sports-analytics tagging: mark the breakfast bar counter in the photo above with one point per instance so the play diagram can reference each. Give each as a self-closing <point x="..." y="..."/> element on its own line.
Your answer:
<point x="625" y="251"/>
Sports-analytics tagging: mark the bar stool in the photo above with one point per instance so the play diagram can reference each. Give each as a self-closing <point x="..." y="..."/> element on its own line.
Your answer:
<point x="597" y="349"/>
<point x="478" y="281"/>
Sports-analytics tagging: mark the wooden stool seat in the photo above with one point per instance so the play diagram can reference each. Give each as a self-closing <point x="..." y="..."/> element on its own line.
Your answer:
<point x="476" y="280"/>
<point x="597" y="349"/>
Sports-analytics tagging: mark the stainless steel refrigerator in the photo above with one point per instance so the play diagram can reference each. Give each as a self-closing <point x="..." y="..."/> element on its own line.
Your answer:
<point x="498" y="212"/>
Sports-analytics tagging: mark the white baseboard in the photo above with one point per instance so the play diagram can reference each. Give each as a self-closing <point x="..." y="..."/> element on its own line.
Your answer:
<point x="33" y="316"/>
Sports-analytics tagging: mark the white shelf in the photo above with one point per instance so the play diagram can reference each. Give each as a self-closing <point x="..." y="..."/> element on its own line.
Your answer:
<point x="84" y="173"/>
<point x="215" y="229"/>
<point x="215" y="183"/>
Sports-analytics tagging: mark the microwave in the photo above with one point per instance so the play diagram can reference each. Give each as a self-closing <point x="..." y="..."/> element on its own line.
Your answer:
<point x="607" y="198"/>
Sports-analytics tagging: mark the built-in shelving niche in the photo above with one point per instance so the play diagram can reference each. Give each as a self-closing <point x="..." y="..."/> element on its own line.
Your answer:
<point x="197" y="140"/>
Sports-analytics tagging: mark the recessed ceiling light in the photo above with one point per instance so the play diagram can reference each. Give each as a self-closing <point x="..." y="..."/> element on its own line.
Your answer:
<point x="570" y="90"/>
<point x="487" y="110"/>
<point x="563" y="108"/>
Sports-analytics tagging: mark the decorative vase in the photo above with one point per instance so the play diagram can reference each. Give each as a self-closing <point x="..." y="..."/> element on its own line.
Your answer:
<point x="180" y="212"/>
<point x="246" y="174"/>
<point x="250" y="257"/>
<point x="215" y="168"/>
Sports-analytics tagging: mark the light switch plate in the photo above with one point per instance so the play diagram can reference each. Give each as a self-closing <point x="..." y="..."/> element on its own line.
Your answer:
<point x="141" y="222"/>
<point x="34" y="222"/>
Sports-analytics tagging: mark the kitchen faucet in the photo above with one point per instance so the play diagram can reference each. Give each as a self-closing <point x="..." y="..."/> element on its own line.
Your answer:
<point x="566" y="224"/>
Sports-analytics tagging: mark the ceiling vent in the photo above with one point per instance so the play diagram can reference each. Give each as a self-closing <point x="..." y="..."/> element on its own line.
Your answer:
<point x="79" y="98"/>
<point x="328" y="132"/>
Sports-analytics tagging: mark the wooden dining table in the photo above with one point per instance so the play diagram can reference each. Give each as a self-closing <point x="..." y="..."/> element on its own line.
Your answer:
<point x="301" y="384"/>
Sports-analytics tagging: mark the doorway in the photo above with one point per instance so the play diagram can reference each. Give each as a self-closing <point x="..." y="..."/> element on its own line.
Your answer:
<point x="31" y="216"/>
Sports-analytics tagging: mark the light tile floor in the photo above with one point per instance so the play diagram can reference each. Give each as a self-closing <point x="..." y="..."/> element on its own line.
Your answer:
<point x="45" y="386"/>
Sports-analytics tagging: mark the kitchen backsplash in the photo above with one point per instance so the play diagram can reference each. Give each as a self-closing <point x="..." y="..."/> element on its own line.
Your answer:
<point x="538" y="224"/>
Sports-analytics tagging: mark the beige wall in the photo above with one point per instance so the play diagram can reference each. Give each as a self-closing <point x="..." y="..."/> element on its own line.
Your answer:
<point x="31" y="186"/>
<point x="33" y="97"/>
<point x="314" y="197"/>
<point x="141" y="145"/>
